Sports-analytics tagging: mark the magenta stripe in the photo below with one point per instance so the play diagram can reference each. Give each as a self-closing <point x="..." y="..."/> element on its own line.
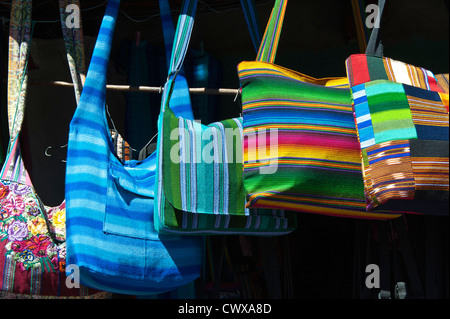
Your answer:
<point x="310" y="139"/>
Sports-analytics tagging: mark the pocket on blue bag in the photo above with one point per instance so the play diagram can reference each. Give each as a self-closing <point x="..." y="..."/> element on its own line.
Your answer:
<point x="129" y="206"/>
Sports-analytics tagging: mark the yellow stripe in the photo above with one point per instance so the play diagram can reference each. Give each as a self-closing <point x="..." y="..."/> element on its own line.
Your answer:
<point x="256" y="104"/>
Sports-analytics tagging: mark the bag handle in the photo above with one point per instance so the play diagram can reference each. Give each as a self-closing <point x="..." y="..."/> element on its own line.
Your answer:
<point x="180" y="106"/>
<point x="181" y="43"/>
<point x="73" y="42"/>
<point x="375" y="44"/>
<point x="269" y="44"/>
<point x="13" y="168"/>
<point x="94" y="91"/>
<point x="21" y="30"/>
<point x="20" y="35"/>
<point x="183" y="35"/>
<point x="251" y="18"/>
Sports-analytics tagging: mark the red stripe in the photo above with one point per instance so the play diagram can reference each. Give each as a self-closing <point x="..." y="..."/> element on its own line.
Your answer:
<point x="359" y="69"/>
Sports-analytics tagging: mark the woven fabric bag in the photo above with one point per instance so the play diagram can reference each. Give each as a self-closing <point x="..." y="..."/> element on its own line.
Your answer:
<point x="110" y="231"/>
<point x="402" y="121"/>
<point x="301" y="150"/>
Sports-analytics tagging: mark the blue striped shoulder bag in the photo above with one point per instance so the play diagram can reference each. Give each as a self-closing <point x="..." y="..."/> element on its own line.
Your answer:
<point x="109" y="203"/>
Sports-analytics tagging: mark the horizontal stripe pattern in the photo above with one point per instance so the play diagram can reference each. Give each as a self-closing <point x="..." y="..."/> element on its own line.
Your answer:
<point x="391" y="171"/>
<point x="315" y="148"/>
<point x="109" y="223"/>
<point x="431" y="173"/>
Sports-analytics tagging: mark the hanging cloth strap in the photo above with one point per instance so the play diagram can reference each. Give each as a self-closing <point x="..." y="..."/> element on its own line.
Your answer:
<point x="375" y="44"/>
<point x="182" y="38"/>
<point x="73" y="41"/>
<point x="359" y="17"/>
<point x="251" y="18"/>
<point x="271" y="37"/>
<point x="180" y="102"/>
<point x="19" y="41"/>
<point x="21" y="32"/>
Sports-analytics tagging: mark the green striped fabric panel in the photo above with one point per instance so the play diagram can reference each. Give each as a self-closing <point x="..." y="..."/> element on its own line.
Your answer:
<point x="200" y="187"/>
<point x="203" y="165"/>
<point x="206" y="194"/>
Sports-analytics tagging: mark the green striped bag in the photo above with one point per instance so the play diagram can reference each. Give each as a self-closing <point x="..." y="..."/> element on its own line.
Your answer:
<point x="199" y="169"/>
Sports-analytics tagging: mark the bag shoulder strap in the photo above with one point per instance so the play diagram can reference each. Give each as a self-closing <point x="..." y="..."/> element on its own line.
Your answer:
<point x="73" y="42"/>
<point x="180" y="102"/>
<point x="182" y="36"/>
<point x="20" y="32"/>
<point x="269" y="43"/>
<point x="375" y="44"/>
<point x="251" y="18"/>
<point x="95" y="85"/>
<point x="180" y="45"/>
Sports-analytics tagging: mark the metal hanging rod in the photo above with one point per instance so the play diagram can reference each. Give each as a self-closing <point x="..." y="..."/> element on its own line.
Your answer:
<point x="146" y="89"/>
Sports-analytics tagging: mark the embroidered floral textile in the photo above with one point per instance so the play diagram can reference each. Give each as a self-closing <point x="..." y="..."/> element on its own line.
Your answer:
<point x="35" y="238"/>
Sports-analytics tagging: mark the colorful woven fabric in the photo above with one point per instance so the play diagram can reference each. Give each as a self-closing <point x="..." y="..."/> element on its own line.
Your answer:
<point x="301" y="150"/>
<point x="200" y="189"/>
<point x="32" y="235"/>
<point x="19" y="39"/>
<point x="401" y="115"/>
<point x="443" y="82"/>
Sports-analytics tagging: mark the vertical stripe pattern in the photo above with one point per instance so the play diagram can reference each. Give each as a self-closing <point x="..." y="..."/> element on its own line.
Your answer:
<point x="200" y="188"/>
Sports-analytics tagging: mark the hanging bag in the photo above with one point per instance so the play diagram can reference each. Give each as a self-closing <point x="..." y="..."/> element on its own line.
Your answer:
<point x="110" y="231"/>
<point x="199" y="168"/>
<point x="301" y="151"/>
<point x="32" y="235"/>
<point x="401" y="116"/>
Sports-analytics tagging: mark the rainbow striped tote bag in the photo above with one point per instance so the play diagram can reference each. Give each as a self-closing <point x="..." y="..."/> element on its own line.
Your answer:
<point x="301" y="150"/>
<point x="199" y="168"/>
<point x="109" y="203"/>
<point x="402" y="121"/>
